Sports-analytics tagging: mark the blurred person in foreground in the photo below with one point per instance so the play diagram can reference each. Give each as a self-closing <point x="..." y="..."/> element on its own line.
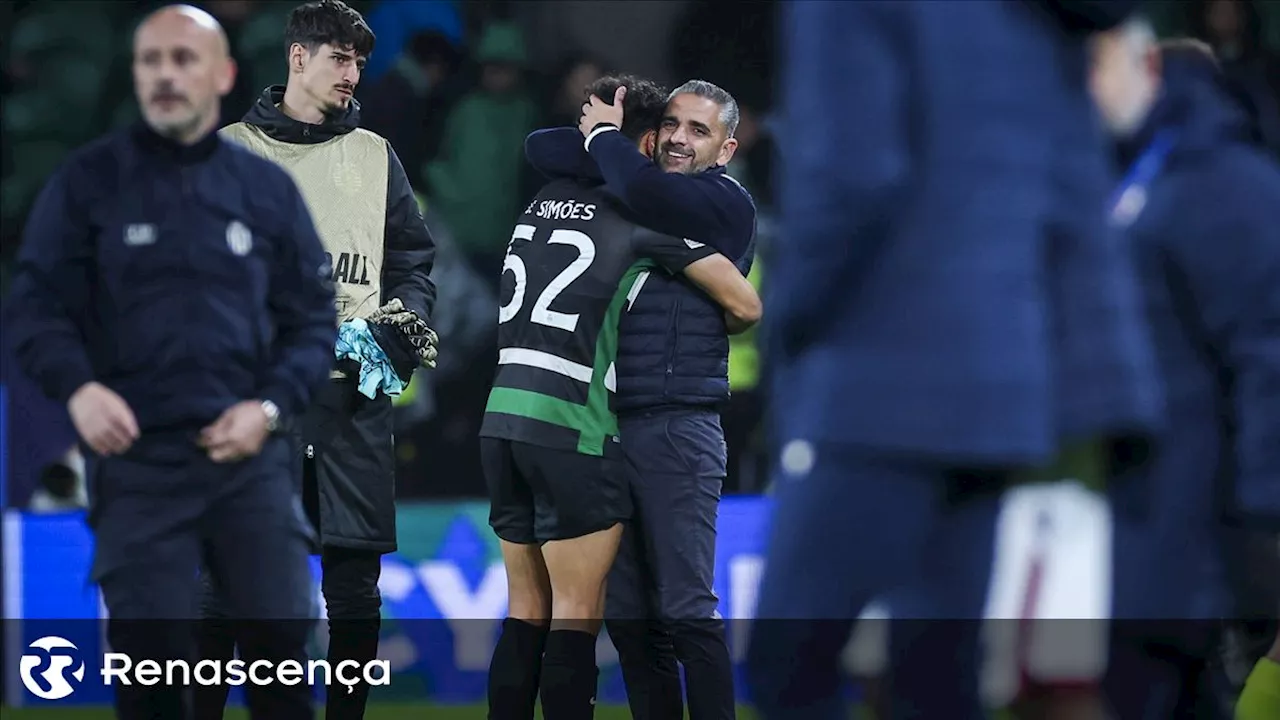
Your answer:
<point x="1206" y="233"/>
<point x="173" y="292"/>
<point x="382" y="254"/>
<point x="948" y="316"/>
<point x="673" y="377"/>
<point x="558" y="480"/>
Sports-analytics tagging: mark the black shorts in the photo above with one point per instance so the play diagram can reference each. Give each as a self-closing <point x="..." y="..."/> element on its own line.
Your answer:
<point x="538" y="494"/>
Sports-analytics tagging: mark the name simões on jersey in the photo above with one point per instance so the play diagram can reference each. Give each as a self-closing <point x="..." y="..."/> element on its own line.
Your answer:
<point x="574" y="264"/>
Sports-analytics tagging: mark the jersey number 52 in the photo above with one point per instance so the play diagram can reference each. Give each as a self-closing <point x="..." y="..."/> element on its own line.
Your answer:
<point x="541" y="313"/>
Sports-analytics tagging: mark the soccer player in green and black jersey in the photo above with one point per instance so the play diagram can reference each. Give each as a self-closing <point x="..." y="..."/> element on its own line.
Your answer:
<point x="557" y="481"/>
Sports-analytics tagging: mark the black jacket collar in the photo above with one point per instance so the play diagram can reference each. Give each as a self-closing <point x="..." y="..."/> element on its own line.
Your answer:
<point x="267" y="115"/>
<point x="155" y="144"/>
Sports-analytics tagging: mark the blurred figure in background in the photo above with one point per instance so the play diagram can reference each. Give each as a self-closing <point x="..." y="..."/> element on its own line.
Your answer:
<point x="565" y="101"/>
<point x="947" y="314"/>
<point x="408" y="104"/>
<point x="476" y="183"/>
<point x="396" y="22"/>
<point x="1234" y="29"/>
<point x="1206" y="233"/>
<point x="177" y="367"/>
<point x="440" y="424"/>
<point x="233" y="14"/>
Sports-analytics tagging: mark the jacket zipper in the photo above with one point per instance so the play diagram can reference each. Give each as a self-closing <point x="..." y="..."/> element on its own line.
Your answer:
<point x="674" y="334"/>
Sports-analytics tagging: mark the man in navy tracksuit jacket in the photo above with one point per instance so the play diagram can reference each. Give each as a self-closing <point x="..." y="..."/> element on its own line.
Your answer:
<point x="172" y="290"/>
<point x="672" y="377"/>
<point x="947" y="308"/>
<point x="1207" y="241"/>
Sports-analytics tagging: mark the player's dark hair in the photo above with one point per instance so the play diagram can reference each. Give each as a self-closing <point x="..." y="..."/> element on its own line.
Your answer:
<point x="328" y="22"/>
<point x="643" y="106"/>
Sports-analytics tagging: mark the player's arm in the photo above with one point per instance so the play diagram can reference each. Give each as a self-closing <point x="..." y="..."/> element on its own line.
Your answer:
<point x="846" y="175"/>
<point x="56" y="270"/>
<point x="1234" y="288"/>
<point x="301" y="303"/>
<point x="558" y="153"/>
<point x="721" y="279"/>
<point x="714" y="273"/>
<point x="410" y="251"/>
<point x="709" y="206"/>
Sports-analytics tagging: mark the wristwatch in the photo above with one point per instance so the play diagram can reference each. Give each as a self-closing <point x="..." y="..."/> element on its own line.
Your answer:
<point x="273" y="415"/>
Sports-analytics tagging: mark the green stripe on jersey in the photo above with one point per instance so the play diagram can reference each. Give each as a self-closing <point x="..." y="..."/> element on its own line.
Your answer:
<point x="595" y="420"/>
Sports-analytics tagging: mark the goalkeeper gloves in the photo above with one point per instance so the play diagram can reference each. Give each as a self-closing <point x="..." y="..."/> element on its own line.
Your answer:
<point x="413" y="335"/>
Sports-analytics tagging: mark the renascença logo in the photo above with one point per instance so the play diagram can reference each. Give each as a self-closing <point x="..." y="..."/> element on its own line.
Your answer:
<point x="51" y="668"/>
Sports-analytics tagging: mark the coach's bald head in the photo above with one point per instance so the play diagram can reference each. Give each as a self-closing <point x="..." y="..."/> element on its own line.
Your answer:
<point x="182" y="67"/>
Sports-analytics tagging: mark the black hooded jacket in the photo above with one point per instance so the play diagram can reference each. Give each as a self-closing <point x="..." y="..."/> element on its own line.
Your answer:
<point x="346" y="439"/>
<point x="410" y="251"/>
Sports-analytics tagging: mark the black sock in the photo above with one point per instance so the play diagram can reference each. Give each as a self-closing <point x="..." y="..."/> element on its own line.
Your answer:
<point x="515" y="669"/>
<point x="569" y="676"/>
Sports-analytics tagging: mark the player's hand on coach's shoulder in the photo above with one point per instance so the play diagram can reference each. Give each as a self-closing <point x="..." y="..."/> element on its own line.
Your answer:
<point x="103" y="419"/>
<point x="239" y="433"/>
<point x="596" y="111"/>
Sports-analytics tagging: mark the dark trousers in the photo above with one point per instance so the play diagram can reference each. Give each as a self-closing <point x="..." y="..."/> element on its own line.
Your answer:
<point x="155" y="524"/>
<point x="349" y="584"/>
<point x="660" y="606"/>
<point x="847" y="528"/>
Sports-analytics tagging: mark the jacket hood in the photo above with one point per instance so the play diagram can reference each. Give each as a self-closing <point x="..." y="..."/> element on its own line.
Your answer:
<point x="267" y="115"/>
<point x="1196" y="102"/>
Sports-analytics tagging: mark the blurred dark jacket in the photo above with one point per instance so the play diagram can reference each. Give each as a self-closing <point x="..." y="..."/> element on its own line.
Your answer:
<point x="1208" y="246"/>
<point x="947" y="286"/>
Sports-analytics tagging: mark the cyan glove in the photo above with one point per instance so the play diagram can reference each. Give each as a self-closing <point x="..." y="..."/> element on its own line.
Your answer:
<point x="356" y="342"/>
<point x="411" y="328"/>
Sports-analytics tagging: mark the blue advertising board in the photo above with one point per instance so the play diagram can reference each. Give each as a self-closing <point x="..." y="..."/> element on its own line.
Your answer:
<point x="444" y="595"/>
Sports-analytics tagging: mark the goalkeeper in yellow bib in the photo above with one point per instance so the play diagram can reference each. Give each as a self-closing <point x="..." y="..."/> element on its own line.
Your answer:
<point x="381" y="252"/>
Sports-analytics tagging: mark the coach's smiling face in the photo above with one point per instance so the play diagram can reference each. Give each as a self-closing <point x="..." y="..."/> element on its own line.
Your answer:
<point x="693" y="136"/>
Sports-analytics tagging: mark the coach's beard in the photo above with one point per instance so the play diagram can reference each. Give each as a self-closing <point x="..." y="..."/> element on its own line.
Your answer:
<point x="682" y="161"/>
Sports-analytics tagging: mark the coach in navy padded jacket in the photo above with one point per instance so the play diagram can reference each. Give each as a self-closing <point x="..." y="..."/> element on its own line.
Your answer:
<point x="672" y="373"/>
